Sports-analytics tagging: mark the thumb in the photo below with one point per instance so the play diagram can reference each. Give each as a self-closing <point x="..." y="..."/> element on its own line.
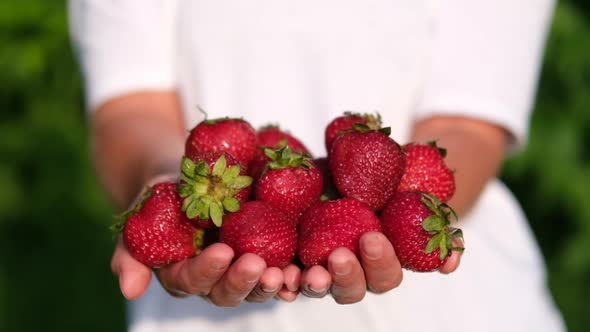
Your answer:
<point x="134" y="277"/>
<point x="453" y="262"/>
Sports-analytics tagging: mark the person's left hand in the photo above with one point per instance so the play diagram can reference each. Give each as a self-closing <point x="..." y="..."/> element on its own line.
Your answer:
<point x="347" y="279"/>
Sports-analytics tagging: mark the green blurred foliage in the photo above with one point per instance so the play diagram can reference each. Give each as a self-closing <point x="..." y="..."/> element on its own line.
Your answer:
<point x="551" y="178"/>
<point x="54" y="244"/>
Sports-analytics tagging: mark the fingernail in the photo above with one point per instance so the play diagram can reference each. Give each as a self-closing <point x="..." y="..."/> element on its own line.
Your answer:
<point x="251" y="281"/>
<point x="317" y="291"/>
<point x="341" y="268"/>
<point x="252" y="278"/>
<point x="267" y="289"/>
<point x="372" y="248"/>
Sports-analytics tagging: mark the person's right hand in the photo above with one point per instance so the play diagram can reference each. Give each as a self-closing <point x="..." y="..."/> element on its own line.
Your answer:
<point x="210" y="274"/>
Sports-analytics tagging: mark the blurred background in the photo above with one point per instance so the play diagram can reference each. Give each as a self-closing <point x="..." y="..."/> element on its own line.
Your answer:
<point x="54" y="243"/>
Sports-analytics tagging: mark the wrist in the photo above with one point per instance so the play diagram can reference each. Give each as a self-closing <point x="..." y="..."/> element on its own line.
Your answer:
<point x="168" y="170"/>
<point x="149" y="175"/>
<point x="161" y="162"/>
<point x="149" y="182"/>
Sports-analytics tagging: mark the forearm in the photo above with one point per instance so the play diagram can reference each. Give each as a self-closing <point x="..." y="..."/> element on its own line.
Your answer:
<point x="136" y="137"/>
<point x="475" y="150"/>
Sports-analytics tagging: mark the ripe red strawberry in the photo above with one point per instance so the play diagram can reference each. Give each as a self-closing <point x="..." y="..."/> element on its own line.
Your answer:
<point x="211" y="183"/>
<point x="427" y="172"/>
<point x="274" y="138"/>
<point x="235" y="136"/>
<point x="258" y="164"/>
<point x="418" y="227"/>
<point x="345" y="122"/>
<point x="260" y="229"/>
<point x="333" y="224"/>
<point x="156" y="232"/>
<point x="291" y="182"/>
<point x="367" y="165"/>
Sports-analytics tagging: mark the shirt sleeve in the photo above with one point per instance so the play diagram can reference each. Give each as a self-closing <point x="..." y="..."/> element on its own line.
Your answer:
<point x="485" y="61"/>
<point x="123" y="46"/>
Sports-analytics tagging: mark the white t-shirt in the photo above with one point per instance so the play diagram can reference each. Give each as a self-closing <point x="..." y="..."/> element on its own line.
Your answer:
<point x="300" y="64"/>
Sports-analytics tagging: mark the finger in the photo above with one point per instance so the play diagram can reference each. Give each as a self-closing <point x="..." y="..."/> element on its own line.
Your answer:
<point x="134" y="277"/>
<point x="239" y="280"/>
<point x="287" y="295"/>
<point x="348" y="279"/>
<point x="199" y="274"/>
<point x="382" y="268"/>
<point x="269" y="285"/>
<point x="292" y="280"/>
<point x="315" y="281"/>
<point x="292" y="275"/>
<point x="454" y="260"/>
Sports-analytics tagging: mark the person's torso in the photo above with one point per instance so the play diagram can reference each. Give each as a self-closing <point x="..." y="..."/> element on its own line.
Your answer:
<point x="301" y="63"/>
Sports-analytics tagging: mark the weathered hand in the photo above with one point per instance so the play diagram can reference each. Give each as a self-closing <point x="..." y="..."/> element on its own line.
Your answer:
<point x="347" y="279"/>
<point x="210" y="274"/>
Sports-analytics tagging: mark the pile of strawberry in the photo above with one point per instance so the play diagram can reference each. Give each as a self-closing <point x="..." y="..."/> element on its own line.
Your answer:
<point x="261" y="192"/>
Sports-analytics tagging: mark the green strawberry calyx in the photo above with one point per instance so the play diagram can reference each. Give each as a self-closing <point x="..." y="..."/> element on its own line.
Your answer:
<point x="284" y="157"/>
<point x="364" y="128"/>
<point x="442" y="151"/>
<point x="199" y="239"/>
<point x="330" y="195"/>
<point x="219" y="120"/>
<point x="373" y="121"/>
<point x="121" y="219"/>
<point x="282" y="143"/>
<point x="270" y="126"/>
<point x="207" y="192"/>
<point x="438" y="225"/>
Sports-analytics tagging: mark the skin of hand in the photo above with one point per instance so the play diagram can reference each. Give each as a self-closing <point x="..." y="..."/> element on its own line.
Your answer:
<point x="475" y="149"/>
<point x="210" y="274"/>
<point x="127" y="154"/>
<point x="347" y="279"/>
<point x="135" y="138"/>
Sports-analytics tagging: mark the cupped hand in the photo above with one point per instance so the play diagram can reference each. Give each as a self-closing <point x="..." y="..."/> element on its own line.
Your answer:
<point x="348" y="279"/>
<point x="210" y="274"/>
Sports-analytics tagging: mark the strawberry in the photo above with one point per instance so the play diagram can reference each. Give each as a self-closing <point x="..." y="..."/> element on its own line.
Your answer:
<point x="367" y="165"/>
<point x="345" y="122"/>
<point x="291" y="182"/>
<point x="212" y="183"/>
<point x="417" y="224"/>
<point x="333" y="224"/>
<point x="260" y="229"/>
<point x="258" y="164"/>
<point x="156" y="231"/>
<point x="426" y="171"/>
<point x="274" y="138"/>
<point x="235" y="136"/>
